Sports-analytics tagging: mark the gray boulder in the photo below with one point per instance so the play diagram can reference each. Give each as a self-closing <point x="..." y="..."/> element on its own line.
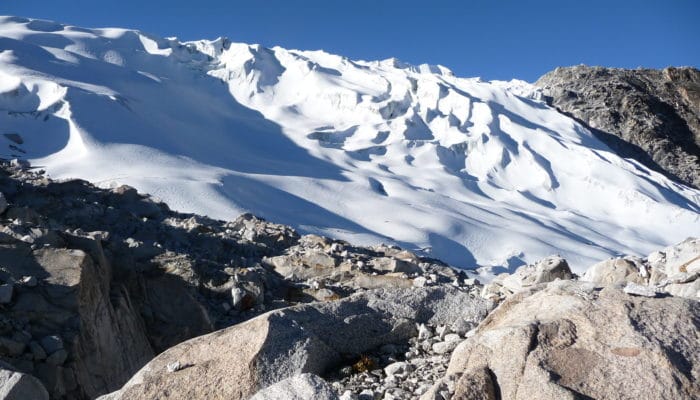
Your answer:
<point x="298" y="387"/>
<point x="572" y="340"/>
<point x="18" y="386"/>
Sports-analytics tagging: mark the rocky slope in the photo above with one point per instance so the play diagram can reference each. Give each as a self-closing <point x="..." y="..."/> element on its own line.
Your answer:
<point x="110" y="291"/>
<point x="96" y="282"/>
<point x="652" y="116"/>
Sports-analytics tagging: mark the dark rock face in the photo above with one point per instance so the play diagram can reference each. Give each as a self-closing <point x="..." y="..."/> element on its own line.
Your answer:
<point x="652" y="116"/>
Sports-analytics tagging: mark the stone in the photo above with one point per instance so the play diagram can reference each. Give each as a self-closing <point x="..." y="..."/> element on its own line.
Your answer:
<point x="569" y="339"/>
<point x="639" y="290"/>
<point x="237" y="296"/>
<point x="298" y="387"/>
<point x="11" y="347"/>
<point x="37" y="351"/>
<point x="6" y="292"/>
<point x="398" y="368"/>
<point x="545" y="270"/>
<point x="367" y="394"/>
<point x="51" y="343"/>
<point x="173" y="366"/>
<point x="3" y="203"/>
<point x="18" y="386"/>
<point x="444" y="347"/>
<point x="29" y="281"/>
<point x="58" y="357"/>
<point x="424" y="332"/>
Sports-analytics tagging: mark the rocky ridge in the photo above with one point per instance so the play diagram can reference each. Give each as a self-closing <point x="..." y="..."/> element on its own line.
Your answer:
<point x="652" y="116"/>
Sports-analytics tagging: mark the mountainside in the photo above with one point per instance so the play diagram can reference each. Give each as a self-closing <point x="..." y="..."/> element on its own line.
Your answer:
<point x="655" y="113"/>
<point x="472" y="172"/>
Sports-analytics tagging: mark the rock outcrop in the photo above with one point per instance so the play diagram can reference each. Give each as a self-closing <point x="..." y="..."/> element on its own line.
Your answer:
<point x="652" y="116"/>
<point x="572" y="340"/>
<point x="674" y="270"/>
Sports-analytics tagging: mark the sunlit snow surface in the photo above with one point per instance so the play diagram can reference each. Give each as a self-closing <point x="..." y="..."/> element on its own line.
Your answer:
<point x="471" y="172"/>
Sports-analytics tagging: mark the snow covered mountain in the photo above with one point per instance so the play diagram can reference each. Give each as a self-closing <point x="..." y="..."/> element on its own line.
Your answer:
<point x="472" y="172"/>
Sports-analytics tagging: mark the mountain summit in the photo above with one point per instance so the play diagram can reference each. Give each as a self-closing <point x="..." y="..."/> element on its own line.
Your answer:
<point x="475" y="173"/>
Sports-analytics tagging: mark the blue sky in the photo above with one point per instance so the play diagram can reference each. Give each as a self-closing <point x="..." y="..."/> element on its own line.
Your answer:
<point x="492" y="39"/>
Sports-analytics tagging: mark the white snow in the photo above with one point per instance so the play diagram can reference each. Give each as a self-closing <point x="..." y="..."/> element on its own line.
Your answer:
<point x="475" y="173"/>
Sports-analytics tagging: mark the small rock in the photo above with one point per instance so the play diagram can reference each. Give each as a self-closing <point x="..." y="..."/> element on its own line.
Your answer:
<point x="237" y="295"/>
<point x="11" y="347"/>
<point x="398" y="368"/>
<point x="174" y="366"/>
<point x="452" y="337"/>
<point x="420" y="281"/>
<point x="444" y="347"/>
<point x="640" y="290"/>
<point x="424" y="332"/>
<point x="367" y="394"/>
<point x="37" y="350"/>
<point x="58" y="357"/>
<point x="51" y="343"/>
<point x="348" y="395"/>
<point x="29" y="281"/>
<point x="6" y="291"/>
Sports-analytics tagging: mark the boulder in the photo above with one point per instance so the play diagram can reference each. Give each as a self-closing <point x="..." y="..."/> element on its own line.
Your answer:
<point x="674" y="270"/>
<point x="74" y="301"/>
<point x="546" y="270"/>
<point x="572" y="340"/>
<point x="236" y="362"/>
<point x="298" y="387"/>
<point x="614" y="271"/>
<point x="18" y="386"/>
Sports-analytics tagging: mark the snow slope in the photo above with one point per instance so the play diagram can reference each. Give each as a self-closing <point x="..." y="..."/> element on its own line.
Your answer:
<point x="472" y="172"/>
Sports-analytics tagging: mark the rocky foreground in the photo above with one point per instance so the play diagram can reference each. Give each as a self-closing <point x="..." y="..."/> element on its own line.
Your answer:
<point x="109" y="293"/>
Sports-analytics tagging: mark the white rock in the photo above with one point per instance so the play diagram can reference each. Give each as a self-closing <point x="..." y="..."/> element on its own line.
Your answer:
<point x="396" y="368"/>
<point x="174" y="366"/>
<point x="424" y="332"/>
<point x="298" y="387"/>
<point x="640" y="290"/>
<point x="348" y="395"/>
<point x="444" y="347"/>
<point x="29" y="281"/>
<point x="237" y="295"/>
<point x="452" y="337"/>
<point x="420" y="281"/>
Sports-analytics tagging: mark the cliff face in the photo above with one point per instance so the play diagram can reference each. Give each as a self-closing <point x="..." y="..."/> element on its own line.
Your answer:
<point x="652" y="116"/>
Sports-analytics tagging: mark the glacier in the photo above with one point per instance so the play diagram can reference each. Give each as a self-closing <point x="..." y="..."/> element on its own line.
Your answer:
<point x="478" y="174"/>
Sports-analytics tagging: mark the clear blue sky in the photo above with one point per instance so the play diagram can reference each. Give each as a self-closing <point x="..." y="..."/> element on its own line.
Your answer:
<point x="492" y="39"/>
